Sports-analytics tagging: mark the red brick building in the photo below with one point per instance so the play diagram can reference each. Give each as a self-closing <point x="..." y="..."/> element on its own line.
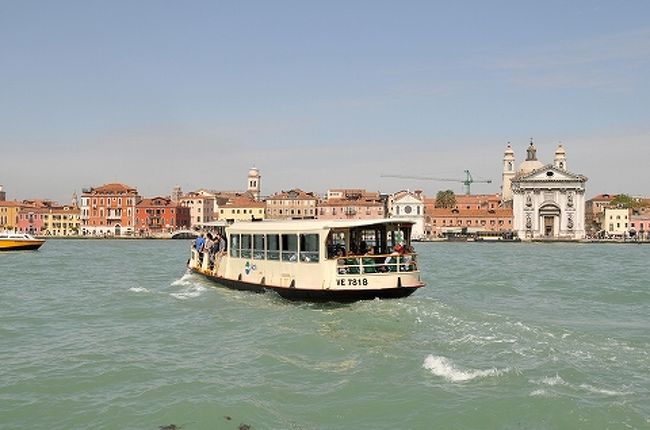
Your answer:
<point x="160" y="215"/>
<point x="473" y="213"/>
<point x="109" y="210"/>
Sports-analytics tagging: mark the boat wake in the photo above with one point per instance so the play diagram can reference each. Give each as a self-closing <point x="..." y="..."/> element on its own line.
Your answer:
<point x="445" y="368"/>
<point x="186" y="280"/>
<point x="191" y="288"/>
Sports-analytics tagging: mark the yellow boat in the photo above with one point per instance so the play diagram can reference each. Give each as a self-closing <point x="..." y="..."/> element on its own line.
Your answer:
<point x="19" y="242"/>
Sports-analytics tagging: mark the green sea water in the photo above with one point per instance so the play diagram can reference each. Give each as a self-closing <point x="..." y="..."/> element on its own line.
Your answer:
<point x="117" y="335"/>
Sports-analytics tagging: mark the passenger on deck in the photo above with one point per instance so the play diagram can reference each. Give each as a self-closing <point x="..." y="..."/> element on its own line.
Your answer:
<point x="363" y="248"/>
<point x="340" y="253"/>
<point x="221" y="243"/>
<point x="199" y="245"/>
<point x="369" y="262"/>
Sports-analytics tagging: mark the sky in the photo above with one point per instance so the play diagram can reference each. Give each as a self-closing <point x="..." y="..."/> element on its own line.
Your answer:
<point x="319" y="94"/>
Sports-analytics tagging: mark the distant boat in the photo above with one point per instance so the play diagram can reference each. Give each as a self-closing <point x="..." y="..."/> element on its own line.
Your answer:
<point x="19" y="242"/>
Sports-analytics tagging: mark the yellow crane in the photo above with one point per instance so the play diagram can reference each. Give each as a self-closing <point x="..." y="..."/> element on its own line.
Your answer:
<point x="466" y="182"/>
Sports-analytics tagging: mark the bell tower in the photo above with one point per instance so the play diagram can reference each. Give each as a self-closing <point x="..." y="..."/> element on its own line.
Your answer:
<point x="560" y="158"/>
<point x="254" y="185"/>
<point x="508" y="173"/>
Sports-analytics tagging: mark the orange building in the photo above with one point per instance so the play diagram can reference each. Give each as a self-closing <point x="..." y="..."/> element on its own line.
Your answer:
<point x="109" y="210"/>
<point x="9" y="215"/>
<point x="160" y="215"/>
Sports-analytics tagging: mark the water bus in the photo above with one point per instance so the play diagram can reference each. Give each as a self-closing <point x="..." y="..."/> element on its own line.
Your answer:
<point x="315" y="260"/>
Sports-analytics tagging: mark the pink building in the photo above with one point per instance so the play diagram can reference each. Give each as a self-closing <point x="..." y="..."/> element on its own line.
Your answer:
<point x="640" y="226"/>
<point x="31" y="216"/>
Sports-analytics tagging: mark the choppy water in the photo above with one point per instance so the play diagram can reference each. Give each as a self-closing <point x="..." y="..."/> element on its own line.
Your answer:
<point x="116" y="335"/>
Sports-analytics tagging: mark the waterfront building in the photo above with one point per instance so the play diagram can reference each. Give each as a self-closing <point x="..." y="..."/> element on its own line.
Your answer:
<point x="3" y="194"/>
<point x="61" y="220"/>
<point x="241" y="209"/>
<point x="640" y="226"/>
<point x="548" y="200"/>
<point x="616" y="221"/>
<point x="473" y="213"/>
<point x="108" y="210"/>
<point x="352" y="203"/>
<point x="31" y="216"/>
<point x="409" y="206"/>
<point x="9" y="215"/>
<point x="292" y="204"/>
<point x="201" y="207"/>
<point x="595" y="212"/>
<point x="160" y="215"/>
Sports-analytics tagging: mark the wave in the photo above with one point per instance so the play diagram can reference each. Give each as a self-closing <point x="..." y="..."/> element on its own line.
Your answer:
<point x="139" y="289"/>
<point x="191" y="292"/>
<point x="553" y="381"/>
<point x="557" y="380"/>
<point x="595" y="390"/>
<point x="445" y="368"/>
<point x="539" y="393"/>
<point x="184" y="281"/>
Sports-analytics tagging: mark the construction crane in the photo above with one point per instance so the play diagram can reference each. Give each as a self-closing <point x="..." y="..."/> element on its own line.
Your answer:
<point x="466" y="182"/>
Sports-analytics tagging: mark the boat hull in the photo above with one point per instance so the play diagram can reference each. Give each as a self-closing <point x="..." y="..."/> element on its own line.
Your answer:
<point x="320" y="295"/>
<point x="14" y="245"/>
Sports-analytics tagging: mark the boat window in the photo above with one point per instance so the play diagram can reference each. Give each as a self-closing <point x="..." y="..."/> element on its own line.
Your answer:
<point x="234" y="245"/>
<point x="258" y="247"/>
<point x="289" y="247"/>
<point x="245" y="246"/>
<point x="273" y="246"/>
<point x="336" y="244"/>
<point x="309" y="248"/>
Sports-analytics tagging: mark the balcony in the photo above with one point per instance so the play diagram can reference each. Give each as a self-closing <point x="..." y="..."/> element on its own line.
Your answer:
<point x="113" y="215"/>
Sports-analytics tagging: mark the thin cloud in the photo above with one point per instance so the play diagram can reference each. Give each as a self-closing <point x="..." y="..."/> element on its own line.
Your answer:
<point x="629" y="46"/>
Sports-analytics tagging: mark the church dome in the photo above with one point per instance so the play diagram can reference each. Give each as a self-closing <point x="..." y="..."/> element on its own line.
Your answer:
<point x="509" y="150"/>
<point x="529" y="165"/>
<point x="253" y="172"/>
<point x="560" y="150"/>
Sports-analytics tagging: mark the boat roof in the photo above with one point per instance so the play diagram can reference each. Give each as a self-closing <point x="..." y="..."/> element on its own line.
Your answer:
<point x="311" y="225"/>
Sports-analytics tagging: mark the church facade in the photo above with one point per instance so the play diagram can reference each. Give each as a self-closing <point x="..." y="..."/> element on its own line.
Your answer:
<point x="548" y="201"/>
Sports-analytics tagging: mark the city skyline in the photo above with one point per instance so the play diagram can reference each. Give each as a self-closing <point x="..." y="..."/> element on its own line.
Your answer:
<point x="318" y="96"/>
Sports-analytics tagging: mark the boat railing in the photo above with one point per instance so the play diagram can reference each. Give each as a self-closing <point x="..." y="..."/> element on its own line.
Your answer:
<point x="376" y="264"/>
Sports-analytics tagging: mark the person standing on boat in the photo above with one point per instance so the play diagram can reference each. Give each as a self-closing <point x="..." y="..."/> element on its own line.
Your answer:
<point x="198" y="245"/>
<point x="221" y="244"/>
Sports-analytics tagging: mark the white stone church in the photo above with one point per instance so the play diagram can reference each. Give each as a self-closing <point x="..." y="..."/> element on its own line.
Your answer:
<point x="548" y="201"/>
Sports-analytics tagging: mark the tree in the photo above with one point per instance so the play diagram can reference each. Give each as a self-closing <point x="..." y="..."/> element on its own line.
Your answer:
<point x="624" y="201"/>
<point x="445" y="199"/>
